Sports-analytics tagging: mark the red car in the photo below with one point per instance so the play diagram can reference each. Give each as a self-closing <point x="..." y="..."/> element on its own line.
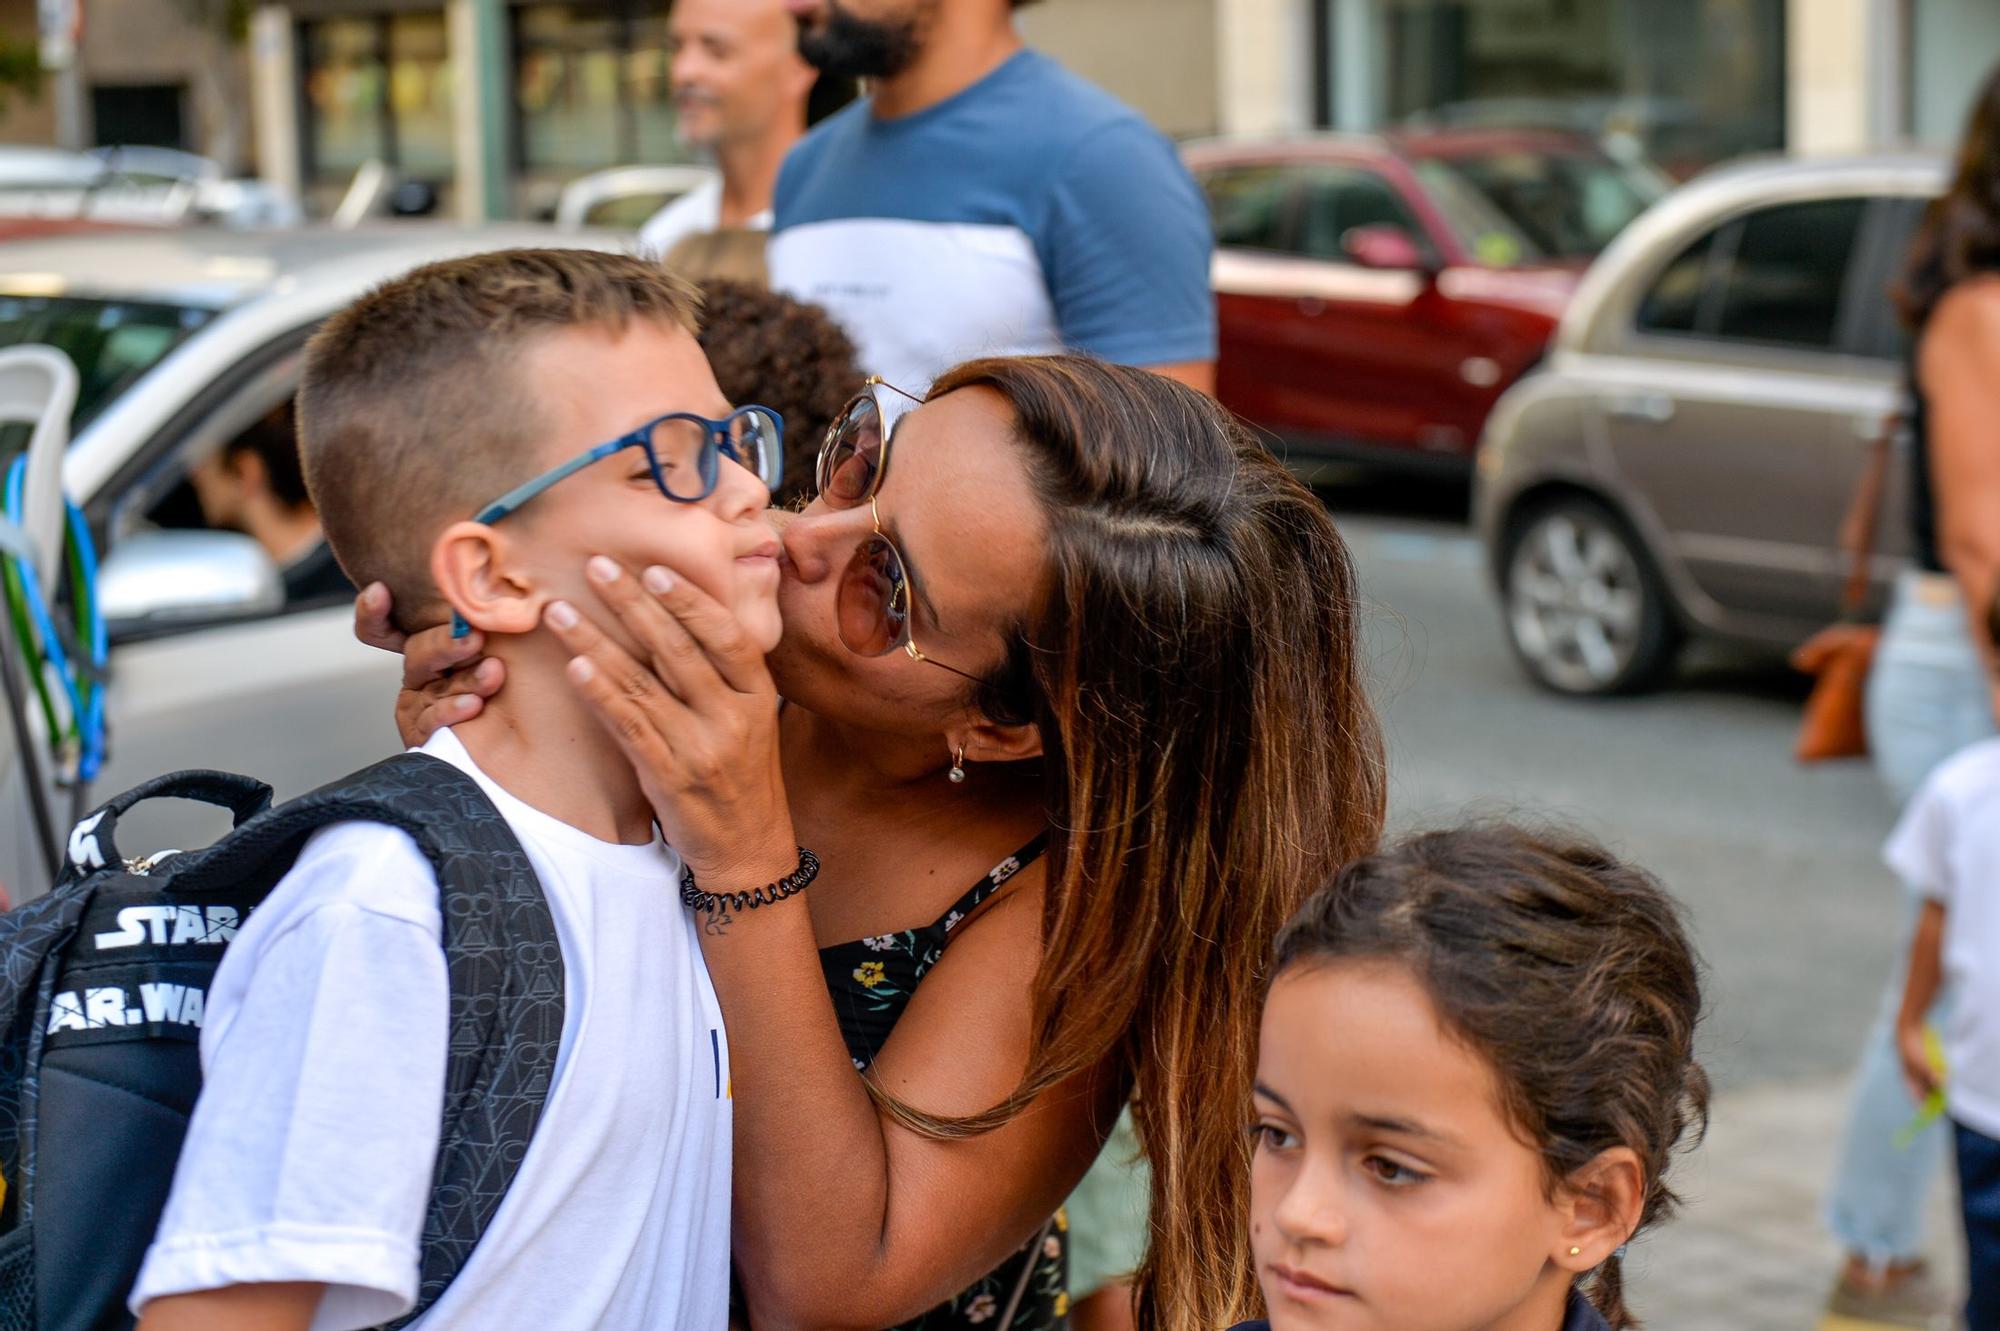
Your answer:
<point x="1377" y="294"/>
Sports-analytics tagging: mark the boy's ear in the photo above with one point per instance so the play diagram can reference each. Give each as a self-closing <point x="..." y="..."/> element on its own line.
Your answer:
<point x="1600" y="1206"/>
<point x="990" y="742"/>
<point x="472" y="565"/>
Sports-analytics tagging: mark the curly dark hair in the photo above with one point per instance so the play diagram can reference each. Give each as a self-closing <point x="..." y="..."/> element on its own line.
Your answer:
<point x="1960" y="234"/>
<point x="783" y="354"/>
<point x="1569" y="970"/>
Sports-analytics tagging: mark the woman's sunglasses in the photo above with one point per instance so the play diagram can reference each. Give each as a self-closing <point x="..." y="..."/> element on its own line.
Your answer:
<point x="876" y="600"/>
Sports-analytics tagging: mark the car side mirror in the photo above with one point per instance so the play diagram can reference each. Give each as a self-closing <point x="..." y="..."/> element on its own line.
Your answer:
<point x="160" y="579"/>
<point x="1384" y="247"/>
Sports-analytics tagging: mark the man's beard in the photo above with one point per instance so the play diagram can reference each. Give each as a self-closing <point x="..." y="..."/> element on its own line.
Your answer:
<point x="843" y="46"/>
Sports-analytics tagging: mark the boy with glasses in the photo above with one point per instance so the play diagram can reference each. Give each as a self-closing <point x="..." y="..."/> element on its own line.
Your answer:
<point x="474" y="432"/>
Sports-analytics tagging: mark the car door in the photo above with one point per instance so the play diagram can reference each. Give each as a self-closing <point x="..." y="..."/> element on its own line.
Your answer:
<point x="1745" y="380"/>
<point x="1377" y="354"/>
<point x="289" y="697"/>
<point x="1251" y="207"/>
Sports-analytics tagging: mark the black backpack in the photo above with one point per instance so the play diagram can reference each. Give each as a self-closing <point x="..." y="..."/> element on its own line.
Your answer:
<point x="102" y="988"/>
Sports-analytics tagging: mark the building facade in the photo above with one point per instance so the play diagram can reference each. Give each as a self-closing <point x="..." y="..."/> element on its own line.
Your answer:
<point x="499" y="102"/>
<point x="1689" y="82"/>
<point x="161" y="73"/>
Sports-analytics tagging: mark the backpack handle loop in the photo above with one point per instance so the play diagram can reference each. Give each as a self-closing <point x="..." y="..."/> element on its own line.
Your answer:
<point x="93" y="844"/>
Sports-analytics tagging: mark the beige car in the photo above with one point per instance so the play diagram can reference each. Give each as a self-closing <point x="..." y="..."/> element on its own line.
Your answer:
<point x="1682" y="462"/>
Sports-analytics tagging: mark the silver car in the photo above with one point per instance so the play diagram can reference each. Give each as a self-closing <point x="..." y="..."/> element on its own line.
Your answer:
<point x="183" y="340"/>
<point x="1682" y="462"/>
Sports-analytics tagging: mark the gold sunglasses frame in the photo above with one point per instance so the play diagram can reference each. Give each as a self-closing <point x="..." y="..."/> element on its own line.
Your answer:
<point x="909" y="584"/>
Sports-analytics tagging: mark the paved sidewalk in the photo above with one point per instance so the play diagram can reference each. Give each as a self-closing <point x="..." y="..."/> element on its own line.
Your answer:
<point x="1749" y="1253"/>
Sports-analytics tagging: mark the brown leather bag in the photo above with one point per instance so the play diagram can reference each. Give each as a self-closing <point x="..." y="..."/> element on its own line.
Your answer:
<point x="1839" y="655"/>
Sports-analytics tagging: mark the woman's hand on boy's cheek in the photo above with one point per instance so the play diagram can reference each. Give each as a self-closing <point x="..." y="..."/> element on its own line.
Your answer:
<point x="437" y="688"/>
<point x="696" y="715"/>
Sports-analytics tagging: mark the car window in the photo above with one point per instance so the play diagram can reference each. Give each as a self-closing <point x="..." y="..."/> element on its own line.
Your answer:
<point x="237" y="468"/>
<point x="1783" y="281"/>
<point x="1569" y="204"/>
<point x="1674" y="303"/>
<point x="113" y="342"/>
<point x="627" y="212"/>
<point x="1334" y="200"/>
<point x="1487" y="233"/>
<point x="1776" y="277"/>
<point x="1882" y="332"/>
<point x="1247" y="205"/>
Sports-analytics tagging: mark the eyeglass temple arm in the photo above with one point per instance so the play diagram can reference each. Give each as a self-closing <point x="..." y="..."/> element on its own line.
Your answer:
<point x="880" y="382"/>
<point x="527" y="490"/>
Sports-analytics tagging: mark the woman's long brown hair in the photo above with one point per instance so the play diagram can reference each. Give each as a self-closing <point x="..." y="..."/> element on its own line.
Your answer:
<point x="1211" y="755"/>
<point x="1960" y="233"/>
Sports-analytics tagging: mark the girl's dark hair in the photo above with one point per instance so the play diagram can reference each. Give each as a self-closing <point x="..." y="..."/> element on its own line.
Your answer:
<point x="1193" y="665"/>
<point x="1566" y="968"/>
<point x="1960" y="233"/>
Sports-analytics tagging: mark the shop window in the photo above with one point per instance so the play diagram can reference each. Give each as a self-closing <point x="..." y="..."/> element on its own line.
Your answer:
<point x="1682" y="82"/>
<point x="590" y="85"/>
<point x="378" y="88"/>
<point x="346" y="123"/>
<point x="1248" y="206"/>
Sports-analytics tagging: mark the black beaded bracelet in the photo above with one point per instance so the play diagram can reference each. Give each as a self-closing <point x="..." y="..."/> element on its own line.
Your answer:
<point x="770" y="894"/>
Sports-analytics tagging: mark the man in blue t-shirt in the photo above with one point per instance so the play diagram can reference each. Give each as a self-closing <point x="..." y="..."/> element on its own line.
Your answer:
<point x="985" y="201"/>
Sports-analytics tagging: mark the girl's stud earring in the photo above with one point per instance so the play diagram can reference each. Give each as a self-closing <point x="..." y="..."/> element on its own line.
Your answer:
<point x="1576" y="1252"/>
<point x="957" y="772"/>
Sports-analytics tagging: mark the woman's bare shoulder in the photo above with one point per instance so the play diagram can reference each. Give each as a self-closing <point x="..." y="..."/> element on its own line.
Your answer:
<point x="1970" y="309"/>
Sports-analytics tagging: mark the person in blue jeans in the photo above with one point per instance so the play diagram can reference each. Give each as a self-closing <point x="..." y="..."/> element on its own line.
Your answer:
<point x="1929" y="693"/>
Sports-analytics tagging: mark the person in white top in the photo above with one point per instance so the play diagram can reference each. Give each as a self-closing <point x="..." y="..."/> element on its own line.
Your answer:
<point x="299" y="1199"/>
<point x="740" y="92"/>
<point x="1946" y="849"/>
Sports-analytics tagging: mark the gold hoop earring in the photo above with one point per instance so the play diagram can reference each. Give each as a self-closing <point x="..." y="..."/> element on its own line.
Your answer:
<point x="957" y="773"/>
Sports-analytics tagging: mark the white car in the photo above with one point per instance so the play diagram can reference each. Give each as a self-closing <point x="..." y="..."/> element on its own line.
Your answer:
<point x="183" y="339"/>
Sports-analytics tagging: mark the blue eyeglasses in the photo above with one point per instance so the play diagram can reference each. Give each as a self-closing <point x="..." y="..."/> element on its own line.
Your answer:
<point x="684" y="451"/>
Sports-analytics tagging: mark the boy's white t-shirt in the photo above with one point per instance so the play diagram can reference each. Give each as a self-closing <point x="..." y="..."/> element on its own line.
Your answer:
<point x="310" y="1152"/>
<point x="1947" y="848"/>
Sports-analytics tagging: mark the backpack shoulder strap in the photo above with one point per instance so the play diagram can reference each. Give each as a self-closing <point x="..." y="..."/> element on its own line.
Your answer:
<point x="503" y="957"/>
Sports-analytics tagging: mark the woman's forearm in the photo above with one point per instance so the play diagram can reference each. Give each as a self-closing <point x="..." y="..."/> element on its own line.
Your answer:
<point x="811" y="1165"/>
<point x="845" y="1217"/>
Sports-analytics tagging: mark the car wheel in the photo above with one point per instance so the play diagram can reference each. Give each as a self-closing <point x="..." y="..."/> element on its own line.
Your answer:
<point x="1587" y="613"/>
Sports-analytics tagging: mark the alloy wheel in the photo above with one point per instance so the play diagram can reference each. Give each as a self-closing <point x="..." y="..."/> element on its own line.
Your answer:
<point x="1577" y="601"/>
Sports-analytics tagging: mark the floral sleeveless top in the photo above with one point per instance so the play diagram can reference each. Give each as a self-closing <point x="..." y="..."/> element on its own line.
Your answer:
<point x="871" y="981"/>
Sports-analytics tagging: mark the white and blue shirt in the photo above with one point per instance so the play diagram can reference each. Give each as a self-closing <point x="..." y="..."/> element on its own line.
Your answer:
<point x="1030" y="213"/>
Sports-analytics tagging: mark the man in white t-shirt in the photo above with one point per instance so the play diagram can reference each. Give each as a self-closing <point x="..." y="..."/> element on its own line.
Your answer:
<point x="740" y="92"/>
<point x="300" y="1196"/>
<point x="1946" y="849"/>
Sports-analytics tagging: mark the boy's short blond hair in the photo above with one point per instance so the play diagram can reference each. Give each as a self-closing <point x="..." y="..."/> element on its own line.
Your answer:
<point x="412" y="409"/>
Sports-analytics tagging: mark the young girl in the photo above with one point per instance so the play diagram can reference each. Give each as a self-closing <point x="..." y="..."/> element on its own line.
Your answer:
<point x="1477" y="1056"/>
